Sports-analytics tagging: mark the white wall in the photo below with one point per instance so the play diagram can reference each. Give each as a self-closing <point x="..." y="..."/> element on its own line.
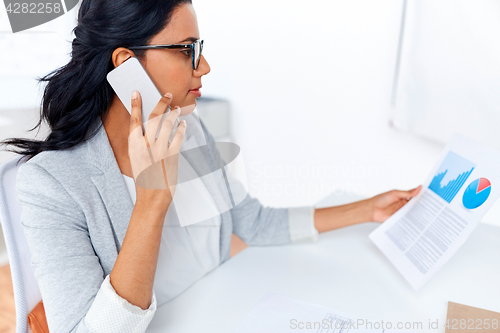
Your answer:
<point x="450" y="71"/>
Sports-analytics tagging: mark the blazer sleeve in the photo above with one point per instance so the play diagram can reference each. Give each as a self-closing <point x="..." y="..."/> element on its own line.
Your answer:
<point x="77" y="296"/>
<point x="259" y="225"/>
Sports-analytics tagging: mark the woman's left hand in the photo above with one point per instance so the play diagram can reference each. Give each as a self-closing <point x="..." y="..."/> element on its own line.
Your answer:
<point x="386" y="204"/>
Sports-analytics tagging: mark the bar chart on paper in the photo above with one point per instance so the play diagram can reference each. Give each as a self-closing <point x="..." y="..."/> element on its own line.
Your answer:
<point x="451" y="176"/>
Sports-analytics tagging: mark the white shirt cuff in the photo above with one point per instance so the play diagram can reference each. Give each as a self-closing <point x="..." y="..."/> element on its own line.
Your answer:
<point x="301" y="224"/>
<point x="112" y="313"/>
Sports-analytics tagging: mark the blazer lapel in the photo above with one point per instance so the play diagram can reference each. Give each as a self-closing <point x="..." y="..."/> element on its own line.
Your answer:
<point x="110" y="183"/>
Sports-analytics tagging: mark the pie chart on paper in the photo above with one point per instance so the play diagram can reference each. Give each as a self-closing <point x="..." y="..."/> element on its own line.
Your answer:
<point x="476" y="193"/>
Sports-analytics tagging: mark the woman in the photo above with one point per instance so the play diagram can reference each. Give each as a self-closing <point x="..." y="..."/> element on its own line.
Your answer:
<point x="103" y="262"/>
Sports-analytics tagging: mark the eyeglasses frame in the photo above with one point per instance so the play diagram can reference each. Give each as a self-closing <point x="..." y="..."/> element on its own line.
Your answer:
<point x="176" y="46"/>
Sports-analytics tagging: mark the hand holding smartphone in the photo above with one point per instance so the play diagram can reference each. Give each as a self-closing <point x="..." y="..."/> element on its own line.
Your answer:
<point x="154" y="161"/>
<point x="130" y="76"/>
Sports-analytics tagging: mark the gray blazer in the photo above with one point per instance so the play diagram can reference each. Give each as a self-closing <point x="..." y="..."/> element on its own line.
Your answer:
<point x="75" y="213"/>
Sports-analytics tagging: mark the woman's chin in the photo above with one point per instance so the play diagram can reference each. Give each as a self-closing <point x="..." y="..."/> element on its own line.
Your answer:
<point x="187" y="109"/>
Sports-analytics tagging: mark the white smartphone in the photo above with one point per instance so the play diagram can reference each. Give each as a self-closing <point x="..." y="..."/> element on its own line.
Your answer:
<point x="130" y="76"/>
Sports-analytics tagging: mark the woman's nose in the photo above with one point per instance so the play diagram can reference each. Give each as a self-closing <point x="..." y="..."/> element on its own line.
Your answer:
<point x="203" y="67"/>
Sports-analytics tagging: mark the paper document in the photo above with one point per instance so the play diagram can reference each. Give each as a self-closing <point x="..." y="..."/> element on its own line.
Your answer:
<point x="423" y="235"/>
<point x="279" y="314"/>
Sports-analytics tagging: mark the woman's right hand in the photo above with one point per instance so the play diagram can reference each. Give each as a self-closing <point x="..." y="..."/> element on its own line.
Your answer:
<point x="154" y="161"/>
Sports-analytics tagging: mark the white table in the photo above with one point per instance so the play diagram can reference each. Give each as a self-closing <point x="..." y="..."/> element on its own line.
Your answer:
<point x="344" y="271"/>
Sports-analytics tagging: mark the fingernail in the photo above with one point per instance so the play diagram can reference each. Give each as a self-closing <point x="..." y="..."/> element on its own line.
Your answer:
<point x="168" y="95"/>
<point x="135" y="94"/>
<point x="179" y="110"/>
<point x="184" y="121"/>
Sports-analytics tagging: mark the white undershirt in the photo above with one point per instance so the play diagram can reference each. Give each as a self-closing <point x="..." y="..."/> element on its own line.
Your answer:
<point x="186" y="253"/>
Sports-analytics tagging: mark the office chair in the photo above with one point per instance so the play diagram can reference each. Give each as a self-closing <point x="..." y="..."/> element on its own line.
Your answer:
<point x="26" y="291"/>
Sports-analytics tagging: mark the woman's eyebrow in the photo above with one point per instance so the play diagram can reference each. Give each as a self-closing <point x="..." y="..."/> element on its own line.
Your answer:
<point x="189" y="39"/>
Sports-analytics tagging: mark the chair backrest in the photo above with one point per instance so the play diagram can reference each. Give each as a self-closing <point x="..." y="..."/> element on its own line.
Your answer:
<point x="26" y="291"/>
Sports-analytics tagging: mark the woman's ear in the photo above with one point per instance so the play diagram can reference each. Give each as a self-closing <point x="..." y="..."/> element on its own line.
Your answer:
<point x="120" y="55"/>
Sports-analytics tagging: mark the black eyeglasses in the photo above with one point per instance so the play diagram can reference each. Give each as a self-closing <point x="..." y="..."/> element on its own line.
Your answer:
<point x="196" y="48"/>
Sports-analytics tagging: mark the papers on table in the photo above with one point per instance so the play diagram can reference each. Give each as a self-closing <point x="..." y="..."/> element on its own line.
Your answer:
<point x="278" y="314"/>
<point x="423" y="235"/>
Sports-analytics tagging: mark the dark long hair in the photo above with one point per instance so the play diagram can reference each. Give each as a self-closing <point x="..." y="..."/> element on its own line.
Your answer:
<point x="78" y="93"/>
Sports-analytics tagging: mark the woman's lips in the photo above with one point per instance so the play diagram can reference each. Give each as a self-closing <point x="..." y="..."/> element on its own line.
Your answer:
<point x="197" y="92"/>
